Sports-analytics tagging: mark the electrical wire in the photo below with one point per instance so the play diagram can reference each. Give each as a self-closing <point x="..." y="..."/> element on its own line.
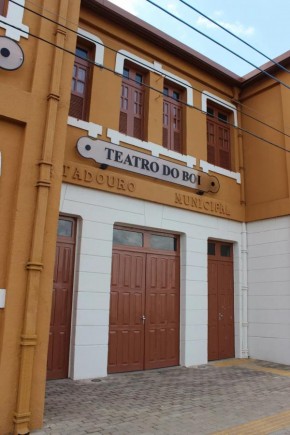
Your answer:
<point x="185" y="23"/>
<point x="145" y="85"/>
<point x="152" y="68"/>
<point x="235" y="36"/>
<point x="220" y="44"/>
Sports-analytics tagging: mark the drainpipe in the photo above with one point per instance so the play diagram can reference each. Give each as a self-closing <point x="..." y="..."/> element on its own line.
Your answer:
<point x="244" y="295"/>
<point x="244" y="240"/>
<point x="35" y="266"/>
<point x="236" y="101"/>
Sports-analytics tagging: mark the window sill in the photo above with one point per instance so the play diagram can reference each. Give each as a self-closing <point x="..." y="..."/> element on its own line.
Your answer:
<point x="156" y="150"/>
<point x="206" y="167"/>
<point x="93" y="129"/>
<point x="12" y="23"/>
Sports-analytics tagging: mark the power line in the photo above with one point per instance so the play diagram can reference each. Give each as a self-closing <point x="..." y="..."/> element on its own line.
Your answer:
<point x="219" y="43"/>
<point x="152" y="68"/>
<point x="145" y="85"/>
<point x="235" y="36"/>
<point x="179" y="19"/>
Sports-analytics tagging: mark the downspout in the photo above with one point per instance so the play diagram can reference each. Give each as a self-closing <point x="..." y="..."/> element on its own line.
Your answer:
<point x="244" y="293"/>
<point x="244" y="238"/>
<point x="240" y="148"/>
<point x="35" y="266"/>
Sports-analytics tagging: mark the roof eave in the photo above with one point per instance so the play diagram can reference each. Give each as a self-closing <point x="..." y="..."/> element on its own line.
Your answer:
<point x="271" y="67"/>
<point x="151" y="34"/>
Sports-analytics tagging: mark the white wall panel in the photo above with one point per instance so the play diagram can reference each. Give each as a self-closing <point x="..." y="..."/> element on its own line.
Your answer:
<point x="266" y="237"/>
<point x="269" y="289"/>
<point x="274" y="248"/>
<point x="268" y="302"/>
<point x="97" y="232"/>
<point x="90" y="362"/>
<point x="94" y="301"/>
<point x="92" y="317"/>
<point x="270" y="349"/>
<point x="91" y="335"/>
<point x="98" y="211"/>
<point x="93" y="247"/>
<point x="195" y="352"/>
<point x="92" y="282"/>
<point x="194" y="317"/>
<point x="195" y="287"/>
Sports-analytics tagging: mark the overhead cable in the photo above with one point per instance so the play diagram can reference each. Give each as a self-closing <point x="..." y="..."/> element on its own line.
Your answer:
<point x="235" y="36"/>
<point x="152" y="68"/>
<point x="220" y="44"/>
<point x="145" y="85"/>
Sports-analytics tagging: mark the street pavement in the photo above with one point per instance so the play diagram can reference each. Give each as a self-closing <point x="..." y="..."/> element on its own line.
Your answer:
<point x="230" y="397"/>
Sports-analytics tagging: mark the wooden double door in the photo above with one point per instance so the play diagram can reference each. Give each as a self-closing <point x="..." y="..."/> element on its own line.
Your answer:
<point x="144" y="304"/>
<point x="220" y="301"/>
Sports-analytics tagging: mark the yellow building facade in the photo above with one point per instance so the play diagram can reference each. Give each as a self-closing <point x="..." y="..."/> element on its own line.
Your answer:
<point x="144" y="195"/>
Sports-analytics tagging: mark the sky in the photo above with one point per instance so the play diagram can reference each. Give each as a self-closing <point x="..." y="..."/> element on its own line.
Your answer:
<point x="264" y="24"/>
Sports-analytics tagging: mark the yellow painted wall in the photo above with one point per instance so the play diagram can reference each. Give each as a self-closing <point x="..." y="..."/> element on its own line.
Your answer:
<point x="36" y="143"/>
<point x="105" y="107"/>
<point x="34" y="107"/>
<point x="267" y="176"/>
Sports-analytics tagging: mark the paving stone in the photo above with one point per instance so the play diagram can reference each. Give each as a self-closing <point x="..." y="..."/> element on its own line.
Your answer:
<point x="197" y="400"/>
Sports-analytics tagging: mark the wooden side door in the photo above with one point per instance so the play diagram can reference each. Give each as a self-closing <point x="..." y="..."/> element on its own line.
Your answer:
<point x="60" y="324"/>
<point x="162" y="311"/>
<point x="127" y="307"/>
<point x="220" y="301"/>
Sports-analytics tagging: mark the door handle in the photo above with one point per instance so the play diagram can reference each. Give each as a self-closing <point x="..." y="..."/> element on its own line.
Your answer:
<point x="143" y="318"/>
<point x="221" y="316"/>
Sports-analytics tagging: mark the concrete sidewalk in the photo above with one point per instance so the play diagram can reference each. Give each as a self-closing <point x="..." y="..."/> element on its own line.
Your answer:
<point x="234" y="397"/>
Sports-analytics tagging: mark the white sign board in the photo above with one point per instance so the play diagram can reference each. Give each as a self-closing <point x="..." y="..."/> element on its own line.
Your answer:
<point x="127" y="159"/>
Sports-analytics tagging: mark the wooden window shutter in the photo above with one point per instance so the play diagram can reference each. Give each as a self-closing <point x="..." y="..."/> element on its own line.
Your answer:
<point x="172" y="120"/>
<point x="166" y="116"/>
<point x="3" y="7"/>
<point x="224" y="146"/>
<point x="218" y="139"/>
<point x="176" y="128"/>
<point x="123" y="123"/>
<point x="80" y="87"/>
<point x="211" y="142"/>
<point x="132" y="105"/>
<point x="124" y="109"/>
<point x="224" y="159"/>
<point x="76" y="106"/>
<point x="138" y="114"/>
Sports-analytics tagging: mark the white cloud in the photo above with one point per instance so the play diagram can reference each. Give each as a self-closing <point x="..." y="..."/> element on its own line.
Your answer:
<point x="204" y="22"/>
<point x="219" y="13"/>
<point x="172" y="8"/>
<point x="129" y="5"/>
<point x="236" y="28"/>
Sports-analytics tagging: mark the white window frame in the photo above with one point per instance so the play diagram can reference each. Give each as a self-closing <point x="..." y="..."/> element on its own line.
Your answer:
<point x="99" y="45"/>
<point x="205" y="166"/>
<point x="93" y="129"/>
<point x="14" y="17"/>
<point x="155" y="67"/>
